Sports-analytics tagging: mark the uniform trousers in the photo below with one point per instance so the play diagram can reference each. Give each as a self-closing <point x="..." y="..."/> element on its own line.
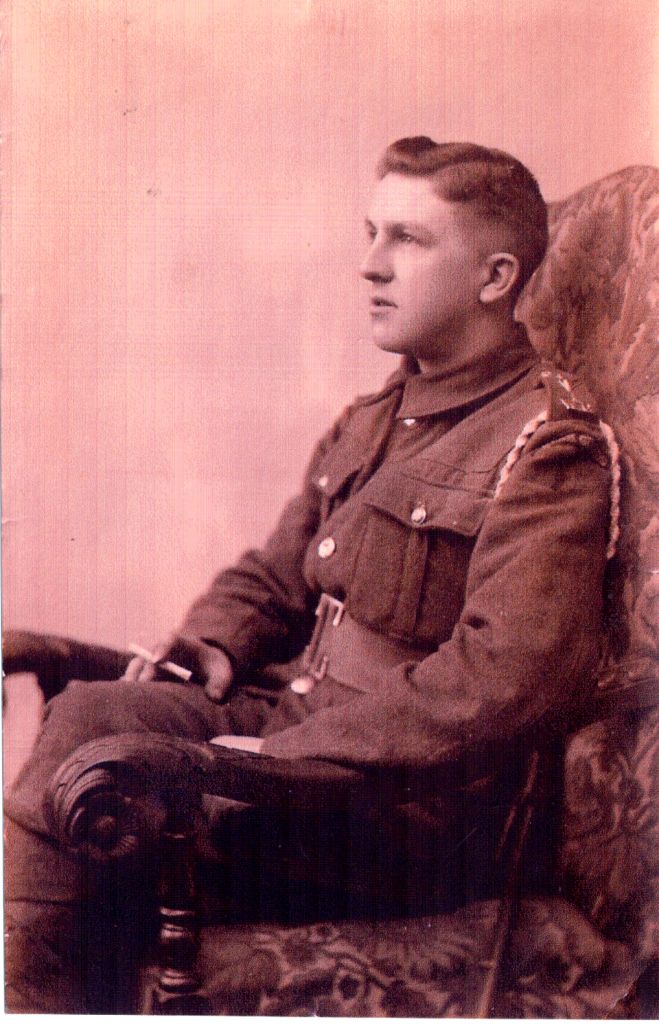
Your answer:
<point x="74" y="936"/>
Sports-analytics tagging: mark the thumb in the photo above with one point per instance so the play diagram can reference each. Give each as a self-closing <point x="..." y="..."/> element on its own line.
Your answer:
<point x="219" y="674"/>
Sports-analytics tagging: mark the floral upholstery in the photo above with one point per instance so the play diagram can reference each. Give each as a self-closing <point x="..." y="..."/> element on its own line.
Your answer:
<point x="592" y="309"/>
<point x="423" y="967"/>
<point x="610" y="850"/>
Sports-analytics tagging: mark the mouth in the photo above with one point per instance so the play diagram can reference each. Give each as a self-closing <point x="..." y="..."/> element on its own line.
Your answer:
<point x="378" y="304"/>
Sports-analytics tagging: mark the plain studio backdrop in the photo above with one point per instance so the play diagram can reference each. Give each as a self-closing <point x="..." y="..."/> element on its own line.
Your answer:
<point x="185" y="185"/>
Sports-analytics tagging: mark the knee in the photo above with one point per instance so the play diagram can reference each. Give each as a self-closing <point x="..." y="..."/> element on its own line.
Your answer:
<point x="91" y="710"/>
<point x="100" y="707"/>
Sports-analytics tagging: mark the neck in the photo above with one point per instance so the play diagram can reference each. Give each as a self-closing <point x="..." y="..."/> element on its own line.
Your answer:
<point x="493" y="343"/>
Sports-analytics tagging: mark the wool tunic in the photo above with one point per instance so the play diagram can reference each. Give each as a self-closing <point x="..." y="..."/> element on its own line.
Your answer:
<point x="397" y="517"/>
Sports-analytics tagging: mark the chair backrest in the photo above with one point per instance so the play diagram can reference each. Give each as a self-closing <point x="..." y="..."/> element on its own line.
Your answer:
<point x="592" y="308"/>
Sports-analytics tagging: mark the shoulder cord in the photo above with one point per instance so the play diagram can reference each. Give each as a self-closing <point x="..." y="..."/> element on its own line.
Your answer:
<point x="614" y="455"/>
<point x="520" y="444"/>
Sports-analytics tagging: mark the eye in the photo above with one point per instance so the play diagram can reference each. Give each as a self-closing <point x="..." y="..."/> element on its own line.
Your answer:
<point x="405" y="237"/>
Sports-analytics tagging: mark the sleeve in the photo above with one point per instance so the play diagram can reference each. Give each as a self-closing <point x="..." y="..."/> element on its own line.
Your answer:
<point x="529" y="637"/>
<point x="261" y="610"/>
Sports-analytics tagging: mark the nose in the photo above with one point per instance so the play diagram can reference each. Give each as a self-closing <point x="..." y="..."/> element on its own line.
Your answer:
<point x="376" y="266"/>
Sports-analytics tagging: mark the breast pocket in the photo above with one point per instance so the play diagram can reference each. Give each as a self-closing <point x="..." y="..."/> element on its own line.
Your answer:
<point x="411" y="568"/>
<point x="335" y="475"/>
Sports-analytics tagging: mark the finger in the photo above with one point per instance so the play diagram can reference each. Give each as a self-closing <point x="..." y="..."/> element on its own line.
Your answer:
<point x="216" y="688"/>
<point x="133" y="670"/>
<point x="143" y="668"/>
<point x="147" y="672"/>
<point x="219" y="676"/>
<point x="215" y="692"/>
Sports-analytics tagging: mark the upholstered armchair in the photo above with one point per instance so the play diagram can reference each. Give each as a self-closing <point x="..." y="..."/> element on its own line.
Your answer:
<point x="584" y="949"/>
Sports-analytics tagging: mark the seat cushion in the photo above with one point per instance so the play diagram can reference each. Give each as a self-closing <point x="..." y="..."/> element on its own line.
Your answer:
<point x="560" y="966"/>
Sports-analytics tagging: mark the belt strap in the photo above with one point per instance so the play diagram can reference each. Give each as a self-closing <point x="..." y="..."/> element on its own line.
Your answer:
<point x="348" y="652"/>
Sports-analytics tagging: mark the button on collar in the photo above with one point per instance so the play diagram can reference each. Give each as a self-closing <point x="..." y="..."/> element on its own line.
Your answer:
<point x="419" y="515"/>
<point x="326" y="547"/>
<point x="323" y="481"/>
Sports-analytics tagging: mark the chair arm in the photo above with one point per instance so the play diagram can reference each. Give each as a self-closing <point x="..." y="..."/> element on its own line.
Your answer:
<point x="93" y="798"/>
<point x="55" y="660"/>
<point x="92" y="804"/>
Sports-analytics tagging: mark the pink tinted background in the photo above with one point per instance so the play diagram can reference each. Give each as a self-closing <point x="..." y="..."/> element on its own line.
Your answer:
<point x="185" y="186"/>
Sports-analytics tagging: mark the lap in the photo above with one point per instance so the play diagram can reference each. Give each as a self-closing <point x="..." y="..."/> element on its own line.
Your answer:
<point x="106" y="707"/>
<point x="86" y="711"/>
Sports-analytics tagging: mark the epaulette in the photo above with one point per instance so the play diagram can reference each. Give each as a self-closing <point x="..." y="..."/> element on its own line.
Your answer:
<point x="563" y="402"/>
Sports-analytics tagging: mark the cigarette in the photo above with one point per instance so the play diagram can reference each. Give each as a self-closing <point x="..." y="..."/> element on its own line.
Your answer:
<point x="169" y="666"/>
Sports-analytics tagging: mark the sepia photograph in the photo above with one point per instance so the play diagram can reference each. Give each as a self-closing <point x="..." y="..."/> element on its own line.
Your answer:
<point x="330" y="508"/>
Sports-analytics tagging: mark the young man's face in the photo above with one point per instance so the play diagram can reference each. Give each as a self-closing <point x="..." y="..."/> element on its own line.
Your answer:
<point x="425" y="268"/>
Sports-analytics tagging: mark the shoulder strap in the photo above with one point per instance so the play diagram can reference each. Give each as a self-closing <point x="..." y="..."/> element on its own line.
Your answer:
<point x="563" y="404"/>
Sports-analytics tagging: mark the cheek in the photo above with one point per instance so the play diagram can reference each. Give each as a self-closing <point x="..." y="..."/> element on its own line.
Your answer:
<point x="432" y="295"/>
<point x="423" y="286"/>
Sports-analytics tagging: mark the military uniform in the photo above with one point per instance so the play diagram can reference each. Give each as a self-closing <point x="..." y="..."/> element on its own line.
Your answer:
<point x="469" y="616"/>
<point x="459" y="602"/>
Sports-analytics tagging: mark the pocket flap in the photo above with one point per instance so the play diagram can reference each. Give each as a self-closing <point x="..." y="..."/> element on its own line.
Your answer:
<point x="427" y="506"/>
<point x="334" y="471"/>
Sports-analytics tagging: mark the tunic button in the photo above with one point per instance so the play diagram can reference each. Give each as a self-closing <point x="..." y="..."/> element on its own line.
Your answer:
<point x="410" y="421"/>
<point x="323" y="481"/>
<point x="326" y="547"/>
<point x="418" y="515"/>
<point x="302" y="685"/>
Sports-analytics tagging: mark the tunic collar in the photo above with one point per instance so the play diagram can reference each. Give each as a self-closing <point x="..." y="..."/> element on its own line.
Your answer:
<point x="430" y="395"/>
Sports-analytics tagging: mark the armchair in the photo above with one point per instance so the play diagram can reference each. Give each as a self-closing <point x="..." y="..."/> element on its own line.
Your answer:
<point x="576" y="952"/>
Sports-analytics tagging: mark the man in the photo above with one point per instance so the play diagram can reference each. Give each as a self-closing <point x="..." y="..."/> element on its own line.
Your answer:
<point x="450" y="536"/>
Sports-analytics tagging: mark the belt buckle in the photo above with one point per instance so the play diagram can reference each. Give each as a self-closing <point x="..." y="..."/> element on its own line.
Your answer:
<point x="329" y="605"/>
<point x="329" y="611"/>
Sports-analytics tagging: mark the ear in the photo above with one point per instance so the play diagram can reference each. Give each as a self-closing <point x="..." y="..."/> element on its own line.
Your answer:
<point x="501" y="275"/>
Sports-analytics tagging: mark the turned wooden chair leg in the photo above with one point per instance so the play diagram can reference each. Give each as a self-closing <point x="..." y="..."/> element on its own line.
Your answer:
<point x="177" y="991"/>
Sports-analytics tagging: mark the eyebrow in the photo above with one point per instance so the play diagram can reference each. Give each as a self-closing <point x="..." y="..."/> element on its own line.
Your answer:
<point x="403" y="227"/>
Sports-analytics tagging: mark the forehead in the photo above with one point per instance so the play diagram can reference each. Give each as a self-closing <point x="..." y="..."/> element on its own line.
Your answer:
<point x="401" y="198"/>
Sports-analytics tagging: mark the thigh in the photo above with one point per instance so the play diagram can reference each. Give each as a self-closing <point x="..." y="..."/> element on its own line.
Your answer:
<point x="86" y="711"/>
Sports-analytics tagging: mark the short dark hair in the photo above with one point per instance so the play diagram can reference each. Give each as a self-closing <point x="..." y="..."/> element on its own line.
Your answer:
<point x="496" y="186"/>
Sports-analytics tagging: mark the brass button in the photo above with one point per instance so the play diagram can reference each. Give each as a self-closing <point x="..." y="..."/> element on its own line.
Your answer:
<point x="323" y="481"/>
<point x="419" y="515"/>
<point x="409" y="421"/>
<point x="326" y="547"/>
<point x="302" y="685"/>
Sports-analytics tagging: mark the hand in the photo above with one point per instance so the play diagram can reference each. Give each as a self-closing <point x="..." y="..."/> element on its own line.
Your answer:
<point x="209" y="665"/>
<point x="251" y="743"/>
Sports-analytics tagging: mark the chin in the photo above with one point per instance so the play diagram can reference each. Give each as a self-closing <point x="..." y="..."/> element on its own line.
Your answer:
<point x="393" y="345"/>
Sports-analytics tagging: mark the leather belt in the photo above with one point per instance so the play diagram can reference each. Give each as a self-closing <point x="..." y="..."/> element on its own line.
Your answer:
<point x="348" y="652"/>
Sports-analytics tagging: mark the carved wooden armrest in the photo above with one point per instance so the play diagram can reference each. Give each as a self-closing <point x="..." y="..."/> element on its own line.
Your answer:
<point x="91" y="800"/>
<point x="55" y="660"/>
<point x="94" y="802"/>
